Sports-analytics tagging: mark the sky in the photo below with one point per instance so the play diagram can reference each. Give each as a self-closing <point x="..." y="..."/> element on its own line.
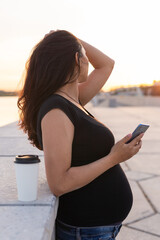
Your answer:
<point x="125" y="30"/>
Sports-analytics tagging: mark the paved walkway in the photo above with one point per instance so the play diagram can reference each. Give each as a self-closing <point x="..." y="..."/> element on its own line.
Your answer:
<point x="143" y="172"/>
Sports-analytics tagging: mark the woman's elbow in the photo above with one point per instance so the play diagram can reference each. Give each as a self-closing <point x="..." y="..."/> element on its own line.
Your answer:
<point x="112" y="63"/>
<point x="57" y="191"/>
<point x="110" y="66"/>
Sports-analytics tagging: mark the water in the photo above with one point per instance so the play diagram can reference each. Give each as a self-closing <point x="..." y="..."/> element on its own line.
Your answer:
<point x="8" y="110"/>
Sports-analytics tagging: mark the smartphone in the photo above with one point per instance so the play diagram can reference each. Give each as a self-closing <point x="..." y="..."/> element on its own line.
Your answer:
<point x="141" y="128"/>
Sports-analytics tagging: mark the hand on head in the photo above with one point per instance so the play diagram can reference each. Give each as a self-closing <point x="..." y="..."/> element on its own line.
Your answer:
<point x="51" y="31"/>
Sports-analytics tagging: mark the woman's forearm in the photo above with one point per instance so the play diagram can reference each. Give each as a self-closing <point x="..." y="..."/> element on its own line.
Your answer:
<point x="97" y="58"/>
<point x="77" y="177"/>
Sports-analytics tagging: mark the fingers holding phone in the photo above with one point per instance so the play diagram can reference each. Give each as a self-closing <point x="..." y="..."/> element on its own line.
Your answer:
<point x="137" y="142"/>
<point x="137" y="135"/>
<point x="129" y="145"/>
<point x="141" y="128"/>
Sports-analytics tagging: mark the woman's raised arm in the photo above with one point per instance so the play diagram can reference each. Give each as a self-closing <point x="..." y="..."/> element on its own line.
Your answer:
<point x="103" y="66"/>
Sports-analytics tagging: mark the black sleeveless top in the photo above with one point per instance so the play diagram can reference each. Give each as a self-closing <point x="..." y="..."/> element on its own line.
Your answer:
<point x="108" y="198"/>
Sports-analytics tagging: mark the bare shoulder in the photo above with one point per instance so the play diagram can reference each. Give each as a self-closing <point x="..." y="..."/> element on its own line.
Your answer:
<point x="56" y="117"/>
<point x="56" y="127"/>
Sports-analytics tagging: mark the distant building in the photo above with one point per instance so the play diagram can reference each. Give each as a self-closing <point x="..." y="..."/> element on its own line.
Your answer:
<point x="129" y="91"/>
<point x="156" y="83"/>
<point x="153" y="90"/>
<point x="4" y="93"/>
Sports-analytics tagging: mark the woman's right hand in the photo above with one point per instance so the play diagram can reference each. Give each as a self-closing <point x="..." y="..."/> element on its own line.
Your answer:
<point x="52" y="31"/>
<point x="122" y="150"/>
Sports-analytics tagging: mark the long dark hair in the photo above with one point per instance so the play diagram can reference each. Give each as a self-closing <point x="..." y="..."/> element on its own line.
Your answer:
<point x="51" y="65"/>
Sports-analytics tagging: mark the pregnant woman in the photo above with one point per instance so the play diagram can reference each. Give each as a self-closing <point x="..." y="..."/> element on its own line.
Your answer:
<point x="82" y="160"/>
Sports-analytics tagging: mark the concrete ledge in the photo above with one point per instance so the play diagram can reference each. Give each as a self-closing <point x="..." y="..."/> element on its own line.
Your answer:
<point x="23" y="220"/>
<point x="27" y="222"/>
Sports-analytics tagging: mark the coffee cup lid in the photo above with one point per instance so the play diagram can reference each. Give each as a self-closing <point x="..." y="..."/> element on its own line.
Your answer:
<point x="27" y="159"/>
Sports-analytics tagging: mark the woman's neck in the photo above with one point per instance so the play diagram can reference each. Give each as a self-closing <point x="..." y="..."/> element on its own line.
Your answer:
<point x="71" y="91"/>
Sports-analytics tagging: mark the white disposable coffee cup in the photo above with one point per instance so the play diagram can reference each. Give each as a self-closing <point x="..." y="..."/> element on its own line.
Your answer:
<point x="27" y="168"/>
